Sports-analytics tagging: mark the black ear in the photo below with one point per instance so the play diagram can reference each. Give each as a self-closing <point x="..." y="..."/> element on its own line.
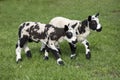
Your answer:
<point x="65" y="28"/>
<point x="89" y="18"/>
<point x="97" y="15"/>
<point x="74" y="25"/>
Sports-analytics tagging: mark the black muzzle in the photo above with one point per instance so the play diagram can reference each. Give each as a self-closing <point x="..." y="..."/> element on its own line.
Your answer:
<point x="74" y="42"/>
<point x="99" y="30"/>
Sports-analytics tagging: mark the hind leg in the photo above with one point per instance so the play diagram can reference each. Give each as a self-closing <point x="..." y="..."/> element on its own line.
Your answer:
<point x="18" y="52"/>
<point x="21" y="42"/>
<point x="27" y="51"/>
<point x="46" y="53"/>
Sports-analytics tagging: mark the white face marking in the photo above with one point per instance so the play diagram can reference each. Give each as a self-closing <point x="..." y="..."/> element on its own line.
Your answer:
<point x="97" y="20"/>
<point x="98" y="26"/>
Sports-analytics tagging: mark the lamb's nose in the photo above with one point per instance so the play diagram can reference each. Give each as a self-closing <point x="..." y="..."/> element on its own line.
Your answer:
<point x="74" y="42"/>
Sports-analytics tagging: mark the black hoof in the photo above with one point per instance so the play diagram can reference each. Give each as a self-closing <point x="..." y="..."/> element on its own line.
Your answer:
<point x="61" y="63"/>
<point x="88" y="56"/>
<point x="43" y="50"/>
<point x="19" y="60"/>
<point x="46" y="58"/>
<point x="28" y="54"/>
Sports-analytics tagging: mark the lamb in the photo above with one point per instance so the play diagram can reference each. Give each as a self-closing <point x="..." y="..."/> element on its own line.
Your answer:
<point x="47" y="34"/>
<point x="82" y="31"/>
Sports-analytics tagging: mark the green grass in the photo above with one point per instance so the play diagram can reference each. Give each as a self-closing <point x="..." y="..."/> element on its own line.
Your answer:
<point x="105" y="46"/>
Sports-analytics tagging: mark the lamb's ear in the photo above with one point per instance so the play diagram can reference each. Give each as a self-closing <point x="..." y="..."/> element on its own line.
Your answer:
<point x="89" y="18"/>
<point x="65" y="28"/>
<point x="97" y="15"/>
<point x="74" y="25"/>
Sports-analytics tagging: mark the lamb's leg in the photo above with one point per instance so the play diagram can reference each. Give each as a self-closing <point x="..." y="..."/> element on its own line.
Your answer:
<point x="46" y="53"/>
<point x="42" y="49"/>
<point x="18" y="52"/>
<point x="86" y="44"/>
<point x="27" y="51"/>
<point x="21" y="42"/>
<point x="73" y="49"/>
<point x="55" y="51"/>
<point x="58" y="47"/>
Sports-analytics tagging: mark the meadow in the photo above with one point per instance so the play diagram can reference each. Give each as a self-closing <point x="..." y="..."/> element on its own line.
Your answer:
<point x="105" y="46"/>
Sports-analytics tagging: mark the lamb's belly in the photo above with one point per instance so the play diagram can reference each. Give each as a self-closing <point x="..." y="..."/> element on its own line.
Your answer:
<point x="61" y="39"/>
<point x="82" y="37"/>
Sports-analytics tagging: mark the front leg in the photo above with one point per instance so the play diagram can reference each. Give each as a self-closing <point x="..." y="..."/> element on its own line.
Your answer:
<point x="46" y="53"/>
<point x="55" y="51"/>
<point x="73" y="49"/>
<point x="43" y="46"/>
<point x="86" y="44"/>
<point x="58" y="47"/>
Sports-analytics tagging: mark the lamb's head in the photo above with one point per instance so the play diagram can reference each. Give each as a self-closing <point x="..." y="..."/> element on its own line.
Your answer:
<point x="93" y="22"/>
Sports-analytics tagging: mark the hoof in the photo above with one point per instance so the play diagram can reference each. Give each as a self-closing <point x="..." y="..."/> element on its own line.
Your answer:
<point x="73" y="56"/>
<point x="28" y="54"/>
<point x="46" y="58"/>
<point x="19" y="60"/>
<point x="88" y="56"/>
<point x="60" y="62"/>
<point x="42" y="50"/>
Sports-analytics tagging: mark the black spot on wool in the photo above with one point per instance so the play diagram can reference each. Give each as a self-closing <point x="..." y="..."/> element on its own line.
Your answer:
<point x="73" y="26"/>
<point x="35" y="35"/>
<point x="83" y="26"/>
<point x="20" y="29"/>
<point x="59" y="32"/>
<point x="16" y="45"/>
<point x="27" y="24"/>
<point x="87" y="43"/>
<point x="23" y="40"/>
<point x="37" y="27"/>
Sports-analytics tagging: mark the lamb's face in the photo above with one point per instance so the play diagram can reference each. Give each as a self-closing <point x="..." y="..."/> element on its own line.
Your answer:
<point x="94" y="23"/>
